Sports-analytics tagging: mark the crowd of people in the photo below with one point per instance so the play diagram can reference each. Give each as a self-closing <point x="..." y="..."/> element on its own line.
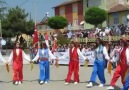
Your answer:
<point x="106" y="54"/>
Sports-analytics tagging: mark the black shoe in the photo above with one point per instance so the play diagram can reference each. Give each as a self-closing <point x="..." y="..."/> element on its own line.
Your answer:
<point x="15" y="82"/>
<point x="41" y="82"/>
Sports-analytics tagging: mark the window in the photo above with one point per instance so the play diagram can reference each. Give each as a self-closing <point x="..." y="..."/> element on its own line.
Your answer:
<point x="121" y="1"/>
<point x="62" y="11"/>
<point x="76" y="22"/>
<point x="75" y="8"/>
<point x="116" y="20"/>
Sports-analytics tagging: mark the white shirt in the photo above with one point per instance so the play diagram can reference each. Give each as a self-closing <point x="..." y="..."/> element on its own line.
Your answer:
<point x="105" y="53"/>
<point x="24" y="56"/>
<point x="126" y="53"/>
<point x="115" y="54"/>
<point x="51" y="56"/>
<point x="83" y="51"/>
<point x="1" y="58"/>
<point x="67" y="54"/>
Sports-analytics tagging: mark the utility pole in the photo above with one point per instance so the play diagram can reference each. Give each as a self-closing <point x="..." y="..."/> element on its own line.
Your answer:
<point x="0" y="30"/>
<point x="47" y="16"/>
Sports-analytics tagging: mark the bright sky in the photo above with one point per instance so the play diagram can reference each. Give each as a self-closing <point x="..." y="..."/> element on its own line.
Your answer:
<point x="41" y="6"/>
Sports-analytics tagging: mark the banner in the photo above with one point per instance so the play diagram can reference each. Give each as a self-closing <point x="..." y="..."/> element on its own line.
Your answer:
<point x="89" y="55"/>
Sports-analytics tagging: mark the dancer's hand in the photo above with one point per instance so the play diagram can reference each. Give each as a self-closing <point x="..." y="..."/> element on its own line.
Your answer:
<point x="6" y="62"/>
<point x="31" y="61"/>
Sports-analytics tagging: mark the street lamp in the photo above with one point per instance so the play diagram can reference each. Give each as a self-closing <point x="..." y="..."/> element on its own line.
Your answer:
<point x="47" y="16"/>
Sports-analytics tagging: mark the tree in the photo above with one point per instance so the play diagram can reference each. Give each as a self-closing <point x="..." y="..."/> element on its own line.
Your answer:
<point x="95" y="16"/>
<point x="62" y="39"/>
<point x="2" y="8"/>
<point x="29" y="27"/>
<point x="57" y="22"/>
<point x="16" y="23"/>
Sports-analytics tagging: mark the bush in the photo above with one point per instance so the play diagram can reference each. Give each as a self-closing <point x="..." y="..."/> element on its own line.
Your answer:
<point x="95" y="16"/>
<point x="62" y="40"/>
<point x="57" y="22"/>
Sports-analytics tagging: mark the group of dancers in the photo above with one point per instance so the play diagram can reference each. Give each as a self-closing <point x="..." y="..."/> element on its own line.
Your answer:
<point x="73" y="53"/>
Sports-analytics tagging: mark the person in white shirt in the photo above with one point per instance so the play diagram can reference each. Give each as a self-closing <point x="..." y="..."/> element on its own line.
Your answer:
<point x="44" y="55"/>
<point x="73" y="54"/>
<point x="98" y="69"/>
<point x="17" y="55"/>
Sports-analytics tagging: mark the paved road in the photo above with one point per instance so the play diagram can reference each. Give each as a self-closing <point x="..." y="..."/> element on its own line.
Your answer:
<point x="57" y="79"/>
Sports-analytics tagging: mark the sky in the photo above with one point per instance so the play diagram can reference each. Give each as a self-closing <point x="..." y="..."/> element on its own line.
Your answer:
<point x="38" y="6"/>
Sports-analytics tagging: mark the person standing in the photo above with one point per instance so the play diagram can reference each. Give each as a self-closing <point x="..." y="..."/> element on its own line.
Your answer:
<point x="99" y="64"/>
<point x="73" y="53"/>
<point x="17" y="55"/>
<point x="43" y="56"/>
<point x="122" y="67"/>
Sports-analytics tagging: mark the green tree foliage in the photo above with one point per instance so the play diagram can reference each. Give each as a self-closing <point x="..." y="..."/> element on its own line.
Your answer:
<point x="16" y="23"/>
<point x="29" y="27"/>
<point x="62" y="39"/>
<point x="2" y="9"/>
<point x="57" y="22"/>
<point x="95" y="16"/>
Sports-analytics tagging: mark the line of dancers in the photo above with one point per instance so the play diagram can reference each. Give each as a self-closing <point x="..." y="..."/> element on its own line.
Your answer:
<point x="73" y="53"/>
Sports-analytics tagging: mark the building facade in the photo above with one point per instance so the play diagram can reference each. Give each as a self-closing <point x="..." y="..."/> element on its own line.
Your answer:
<point x="108" y="5"/>
<point x="73" y="11"/>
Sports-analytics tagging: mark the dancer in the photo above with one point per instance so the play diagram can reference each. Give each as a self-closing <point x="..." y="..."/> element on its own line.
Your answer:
<point x="126" y="85"/>
<point x="17" y="55"/>
<point x="99" y="64"/>
<point x="73" y="53"/>
<point x="43" y="56"/>
<point x="123" y="64"/>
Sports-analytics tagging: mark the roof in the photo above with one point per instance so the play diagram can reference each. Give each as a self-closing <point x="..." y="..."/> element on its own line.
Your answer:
<point x="118" y="8"/>
<point x="67" y="2"/>
<point x="43" y="22"/>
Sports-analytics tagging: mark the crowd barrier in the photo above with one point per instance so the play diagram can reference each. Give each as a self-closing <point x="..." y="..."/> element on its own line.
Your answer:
<point x="89" y="55"/>
<point x="114" y="38"/>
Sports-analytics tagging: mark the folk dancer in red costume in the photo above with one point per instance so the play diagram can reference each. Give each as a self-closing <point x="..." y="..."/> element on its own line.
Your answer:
<point x="123" y="64"/>
<point x="73" y="53"/>
<point x="17" y="55"/>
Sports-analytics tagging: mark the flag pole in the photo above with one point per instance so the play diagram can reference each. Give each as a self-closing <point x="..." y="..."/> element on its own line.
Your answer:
<point x="35" y="11"/>
<point x="35" y="19"/>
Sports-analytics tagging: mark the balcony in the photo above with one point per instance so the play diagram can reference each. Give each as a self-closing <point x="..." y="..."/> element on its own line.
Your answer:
<point x="114" y="38"/>
<point x="77" y="27"/>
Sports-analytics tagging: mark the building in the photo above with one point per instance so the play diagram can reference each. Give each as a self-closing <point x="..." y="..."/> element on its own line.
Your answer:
<point x="43" y="27"/>
<point x="73" y="11"/>
<point x="118" y="14"/>
<point x="117" y="10"/>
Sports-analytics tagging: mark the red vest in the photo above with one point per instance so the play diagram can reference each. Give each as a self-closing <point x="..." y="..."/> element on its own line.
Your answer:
<point x="17" y="57"/>
<point x="123" y="56"/>
<point x="74" y="55"/>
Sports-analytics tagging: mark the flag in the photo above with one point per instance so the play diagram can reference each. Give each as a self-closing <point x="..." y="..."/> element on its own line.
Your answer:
<point x="109" y="68"/>
<point x="7" y="68"/>
<point x="54" y="45"/>
<point x="32" y="65"/>
<point x="46" y="36"/>
<point x="35" y="36"/>
<point x="86" y="63"/>
<point x="126" y="75"/>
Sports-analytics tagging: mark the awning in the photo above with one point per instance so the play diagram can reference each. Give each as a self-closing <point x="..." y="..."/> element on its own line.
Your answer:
<point x="82" y="22"/>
